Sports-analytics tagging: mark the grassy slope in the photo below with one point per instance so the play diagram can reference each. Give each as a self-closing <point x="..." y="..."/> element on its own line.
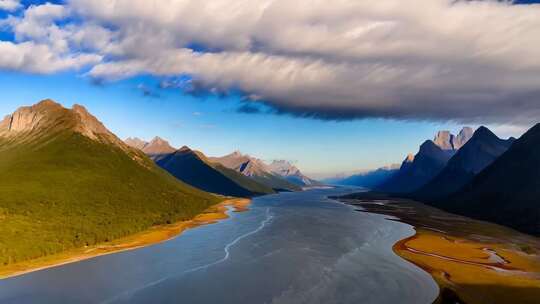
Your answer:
<point x="65" y="191"/>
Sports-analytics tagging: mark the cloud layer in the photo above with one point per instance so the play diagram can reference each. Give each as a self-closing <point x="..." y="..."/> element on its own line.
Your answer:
<point x="470" y="61"/>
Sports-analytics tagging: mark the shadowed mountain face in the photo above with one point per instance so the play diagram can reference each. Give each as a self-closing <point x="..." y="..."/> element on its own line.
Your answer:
<point x="291" y="173"/>
<point x="479" y="152"/>
<point x="432" y="157"/>
<point x="508" y="190"/>
<point x="193" y="168"/>
<point x="255" y="169"/>
<point x="64" y="166"/>
<point x="416" y="172"/>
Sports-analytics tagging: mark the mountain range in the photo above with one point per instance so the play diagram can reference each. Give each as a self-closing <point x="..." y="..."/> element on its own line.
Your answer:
<point x="508" y="190"/>
<point x="369" y="179"/>
<point x="418" y="170"/>
<point x="69" y="182"/>
<point x="291" y="173"/>
<point x="479" y="152"/>
<point x="255" y="169"/>
<point x="194" y="168"/>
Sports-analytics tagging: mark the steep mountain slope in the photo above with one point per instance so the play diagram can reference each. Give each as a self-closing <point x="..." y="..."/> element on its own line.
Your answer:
<point x="479" y="152"/>
<point x="369" y="179"/>
<point x="416" y="172"/>
<point x="69" y="182"/>
<point x="255" y="169"/>
<point x="508" y="190"/>
<point x="291" y="173"/>
<point x="193" y="168"/>
<point x="432" y="157"/>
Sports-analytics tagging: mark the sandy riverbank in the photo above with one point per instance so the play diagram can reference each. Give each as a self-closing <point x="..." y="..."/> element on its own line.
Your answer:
<point x="149" y="237"/>
<point x="472" y="261"/>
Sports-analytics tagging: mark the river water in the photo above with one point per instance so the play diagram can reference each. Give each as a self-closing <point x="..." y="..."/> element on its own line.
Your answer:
<point x="289" y="248"/>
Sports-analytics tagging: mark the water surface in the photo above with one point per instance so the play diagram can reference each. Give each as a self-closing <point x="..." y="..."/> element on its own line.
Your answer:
<point x="289" y="248"/>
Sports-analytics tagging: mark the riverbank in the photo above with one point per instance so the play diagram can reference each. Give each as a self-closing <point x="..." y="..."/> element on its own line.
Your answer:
<point x="149" y="237"/>
<point x="472" y="261"/>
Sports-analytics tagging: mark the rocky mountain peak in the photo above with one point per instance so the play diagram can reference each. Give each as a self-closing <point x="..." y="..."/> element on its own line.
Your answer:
<point x="409" y="158"/>
<point x="448" y="141"/>
<point x="185" y="149"/>
<point x="158" y="146"/>
<point x="135" y="142"/>
<point x="444" y="140"/>
<point x="463" y="137"/>
<point x="48" y="114"/>
<point x="284" y="168"/>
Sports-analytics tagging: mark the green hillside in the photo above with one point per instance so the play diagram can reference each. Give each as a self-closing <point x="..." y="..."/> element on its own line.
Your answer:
<point x="61" y="190"/>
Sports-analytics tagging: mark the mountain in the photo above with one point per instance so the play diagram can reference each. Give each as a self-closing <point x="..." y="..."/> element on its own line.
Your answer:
<point x="508" y="190"/>
<point x="194" y="168"/>
<point x="432" y="157"/>
<point x="291" y="173"/>
<point x="155" y="149"/>
<point x="479" y="152"/>
<point x="136" y="143"/>
<point x="369" y="179"/>
<point x="447" y="141"/>
<point x="69" y="182"/>
<point x="255" y="169"/>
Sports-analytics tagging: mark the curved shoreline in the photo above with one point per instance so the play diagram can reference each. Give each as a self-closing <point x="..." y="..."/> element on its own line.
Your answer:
<point x="471" y="261"/>
<point x="151" y="236"/>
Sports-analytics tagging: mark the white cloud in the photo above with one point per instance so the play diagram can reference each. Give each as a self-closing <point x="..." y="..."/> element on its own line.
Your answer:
<point x="474" y="61"/>
<point x="39" y="58"/>
<point x="9" y="5"/>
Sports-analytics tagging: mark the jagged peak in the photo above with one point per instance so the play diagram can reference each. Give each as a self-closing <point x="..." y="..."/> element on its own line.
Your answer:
<point x="158" y="139"/>
<point x="409" y="158"/>
<point x="48" y="114"/>
<point x="158" y="146"/>
<point x="483" y="130"/>
<point x="185" y="149"/>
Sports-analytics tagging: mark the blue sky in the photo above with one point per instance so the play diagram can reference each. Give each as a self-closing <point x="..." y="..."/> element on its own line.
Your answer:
<point x="336" y="88"/>
<point x="214" y="126"/>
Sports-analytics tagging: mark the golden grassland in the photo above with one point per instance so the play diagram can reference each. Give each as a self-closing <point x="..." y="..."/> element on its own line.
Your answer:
<point x="472" y="261"/>
<point x="149" y="237"/>
<point x="474" y="272"/>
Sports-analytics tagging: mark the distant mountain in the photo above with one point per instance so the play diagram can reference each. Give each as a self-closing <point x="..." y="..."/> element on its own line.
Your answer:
<point x="194" y="168"/>
<point x="291" y="173"/>
<point x="136" y="143"/>
<point x="69" y="182"/>
<point x="479" y="152"/>
<point x="508" y="190"/>
<point x="447" y="141"/>
<point x="369" y="179"/>
<point x="155" y="149"/>
<point x="432" y="157"/>
<point x="255" y="169"/>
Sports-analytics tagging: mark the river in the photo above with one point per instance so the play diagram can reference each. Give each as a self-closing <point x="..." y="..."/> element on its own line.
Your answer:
<point x="296" y="247"/>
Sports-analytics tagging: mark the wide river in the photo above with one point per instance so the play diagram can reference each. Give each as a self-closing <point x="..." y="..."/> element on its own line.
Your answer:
<point x="289" y="248"/>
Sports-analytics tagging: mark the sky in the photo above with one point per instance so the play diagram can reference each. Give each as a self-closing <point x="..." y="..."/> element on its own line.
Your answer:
<point x="333" y="87"/>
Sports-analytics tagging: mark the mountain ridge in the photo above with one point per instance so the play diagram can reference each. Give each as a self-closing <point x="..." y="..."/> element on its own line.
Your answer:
<point x="479" y="152"/>
<point x="66" y="167"/>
